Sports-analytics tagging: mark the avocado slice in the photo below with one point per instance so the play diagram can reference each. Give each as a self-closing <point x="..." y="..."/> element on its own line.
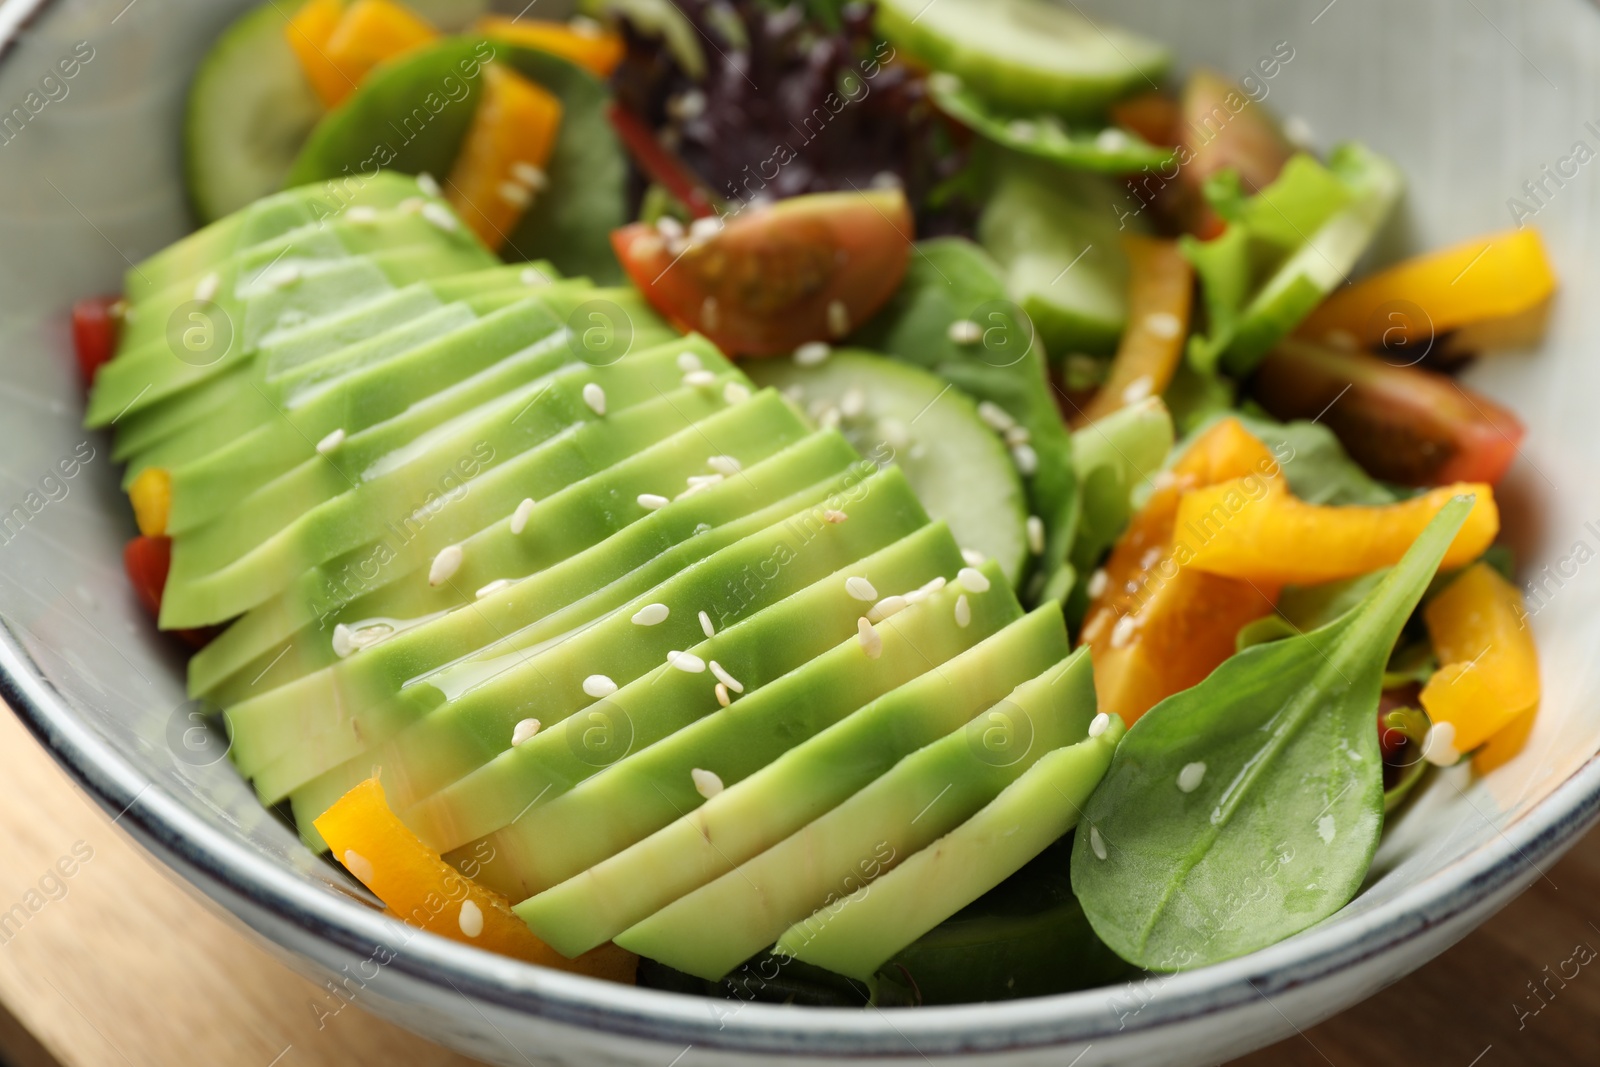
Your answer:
<point x="645" y="791"/>
<point x="463" y="716"/>
<point x="855" y="936"/>
<point x="288" y="636"/>
<point x="718" y="926"/>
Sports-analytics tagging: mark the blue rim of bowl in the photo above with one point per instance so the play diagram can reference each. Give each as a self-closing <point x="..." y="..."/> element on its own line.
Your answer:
<point x="228" y="871"/>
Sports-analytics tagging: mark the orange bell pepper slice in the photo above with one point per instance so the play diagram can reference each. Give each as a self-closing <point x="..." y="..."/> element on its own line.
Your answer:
<point x="1478" y="286"/>
<point x="1160" y="294"/>
<point x="307" y="33"/>
<point x="584" y="44"/>
<point x="1237" y="531"/>
<point x="1156" y="626"/>
<point x="151" y="496"/>
<point x="501" y="163"/>
<point x="371" y="32"/>
<point x="423" y="890"/>
<point x="1489" y="673"/>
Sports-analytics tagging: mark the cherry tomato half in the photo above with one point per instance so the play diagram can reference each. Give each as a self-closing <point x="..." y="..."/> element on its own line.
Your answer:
<point x="94" y="334"/>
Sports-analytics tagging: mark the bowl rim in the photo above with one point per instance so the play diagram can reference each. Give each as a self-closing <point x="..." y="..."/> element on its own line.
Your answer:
<point x="228" y="871"/>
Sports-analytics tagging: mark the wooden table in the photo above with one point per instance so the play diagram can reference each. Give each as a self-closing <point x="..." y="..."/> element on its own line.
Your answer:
<point x="119" y="966"/>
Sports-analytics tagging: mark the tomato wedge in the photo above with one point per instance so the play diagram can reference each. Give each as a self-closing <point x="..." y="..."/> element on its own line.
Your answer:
<point x="95" y="326"/>
<point x="1224" y="129"/>
<point x="811" y="268"/>
<point x="147" y="560"/>
<point x="1405" y="425"/>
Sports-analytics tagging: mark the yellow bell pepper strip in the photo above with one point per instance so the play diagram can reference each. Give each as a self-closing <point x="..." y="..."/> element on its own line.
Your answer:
<point x="1160" y="293"/>
<point x="1489" y="669"/>
<point x="584" y="43"/>
<point x="307" y="33"/>
<point x="501" y="163"/>
<point x="151" y="496"/>
<point x="370" y="32"/>
<point x="1156" y="626"/>
<point x="1238" y="532"/>
<point x="1489" y="279"/>
<point x="423" y="890"/>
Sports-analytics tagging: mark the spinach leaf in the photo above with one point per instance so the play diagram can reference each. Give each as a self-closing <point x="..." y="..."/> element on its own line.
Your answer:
<point x="411" y="115"/>
<point x="951" y="279"/>
<point x="1245" y="809"/>
<point x="1105" y="151"/>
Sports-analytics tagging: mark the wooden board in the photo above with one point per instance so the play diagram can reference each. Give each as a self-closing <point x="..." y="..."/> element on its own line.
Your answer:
<point x="119" y="966"/>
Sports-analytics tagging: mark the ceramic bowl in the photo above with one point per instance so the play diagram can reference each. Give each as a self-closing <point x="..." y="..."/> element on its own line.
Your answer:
<point x="1485" y="105"/>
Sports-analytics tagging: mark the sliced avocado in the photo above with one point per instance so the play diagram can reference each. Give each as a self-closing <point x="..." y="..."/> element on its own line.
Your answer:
<point x="718" y="926"/>
<point x="856" y="935"/>
<point x="289" y="636"/>
<point x="466" y="713"/>
<point x="490" y="446"/>
<point x="896" y="413"/>
<point x="757" y="813"/>
<point x="632" y="799"/>
<point x="1057" y="236"/>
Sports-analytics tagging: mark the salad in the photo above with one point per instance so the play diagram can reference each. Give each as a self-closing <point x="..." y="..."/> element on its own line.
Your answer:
<point x="820" y="503"/>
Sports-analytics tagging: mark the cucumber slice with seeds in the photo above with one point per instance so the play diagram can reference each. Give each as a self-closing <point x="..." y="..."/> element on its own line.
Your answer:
<point x="894" y="413"/>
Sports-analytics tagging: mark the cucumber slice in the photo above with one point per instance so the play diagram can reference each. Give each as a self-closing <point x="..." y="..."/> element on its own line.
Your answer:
<point x="1058" y="239"/>
<point x="1027" y="55"/>
<point x="894" y="413"/>
<point x="250" y="111"/>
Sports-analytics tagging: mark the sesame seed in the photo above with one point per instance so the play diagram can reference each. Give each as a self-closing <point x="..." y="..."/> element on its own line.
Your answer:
<point x="917" y="596"/>
<point x="1138" y="389"/>
<point x="1111" y="139"/>
<point x="1018" y="436"/>
<point x="702" y="480"/>
<point x="853" y="403"/>
<point x="838" y="318"/>
<point x="205" y="290"/>
<point x="529" y="175"/>
<point x="1298" y="131"/>
<point x="722" y="695"/>
<point x="514" y="194"/>
<point x="647" y="246"/>
<point x="470" y="919"/>
<point x="709" y="317"/>
<point x="834" y="516"/>
<point x="725" y="678"/>
<point x="973" y="557"/>
<point x="973" y="580"/>
<point x="1440" y="747"/>
<point x="1035" y="528"/>
<point x="652" y="501"/>
<point x="1099" y="724"/>
<point x="1189" y="778"/>
<point x="343" y="645"/>
<point x="735" y="392"/>
<point x="520" y="517"/>
<point x="705" y="625"/>
<point x="440" y="216"/>
<point x="358" y="865"/>
<point x="812" y="354"/>
<point x="687" y="105"/>
<point x="362" y="214"/>
<point x="285" y="276"/>
<point x="689" y="361"/>
<point x="595" y="397"/>
<point x="412" y="204"/>
<point x="965" y="332"/>
<point x="860" y="588"/>
<point x="1098" y="582"/>
<point x="330" y="442"/>
<point x="705" y="229"/>
<point x="706" y="783"/>
<point x="445" y="565"/>
<point x="700" y="379"/>
<point x="1096" y="843"/>
<point x="1163" y="324"/>
<point x="524" y="731"/>
<point x="963" y="611"/>
<point x="651" y="615"/>
<point x="1026" y="459"/>
<point x="427" y="184"/>
<point x="670" y="228"/>
<point x="896" y="434"/>
<point x="829" y="419"/>
<point x="1022" y="129"/>
<point x="725" y="465"/>
<point x="598" y="686"/>
<point x="1122" y="632"/>
<point x="995" y="417"/>
<point x="687" y="662"/>
<point x="1341" y="339"/>
<point x="533" y="276"/>
<point x="933" y="585"/>
<point x="889" y="605"/>
<point x="871" y="642"/>
<point x="493" y="587"/>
